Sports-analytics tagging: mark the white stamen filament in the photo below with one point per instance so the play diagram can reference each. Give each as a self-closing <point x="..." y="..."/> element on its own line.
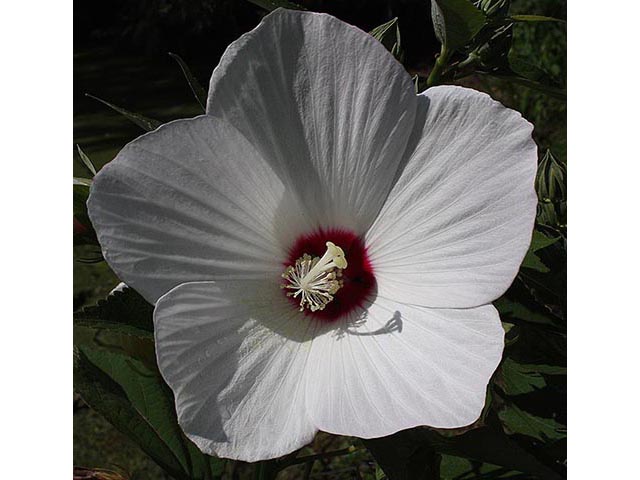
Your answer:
<point x="316" y="279"/>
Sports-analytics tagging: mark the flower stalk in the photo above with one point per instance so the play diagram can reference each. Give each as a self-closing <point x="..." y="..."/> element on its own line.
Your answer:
<point x="441" y="63"/>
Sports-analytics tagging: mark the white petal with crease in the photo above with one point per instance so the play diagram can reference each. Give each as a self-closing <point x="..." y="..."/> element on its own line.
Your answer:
<point x="235" y="354"/>
<point x="403" y="366"/>
<point x="326" y="101"/>
<point x="458" y="221"/>
<point x="192" y="201"/>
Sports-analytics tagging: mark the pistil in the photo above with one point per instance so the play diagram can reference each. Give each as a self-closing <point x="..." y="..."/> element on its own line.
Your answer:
<point x="316" y="279"/>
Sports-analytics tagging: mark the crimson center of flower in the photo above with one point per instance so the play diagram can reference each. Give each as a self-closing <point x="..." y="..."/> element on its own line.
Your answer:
<point x="328" y="274"/>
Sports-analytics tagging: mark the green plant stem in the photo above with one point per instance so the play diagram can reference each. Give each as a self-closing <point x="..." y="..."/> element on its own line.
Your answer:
<point x="441" y="63"/>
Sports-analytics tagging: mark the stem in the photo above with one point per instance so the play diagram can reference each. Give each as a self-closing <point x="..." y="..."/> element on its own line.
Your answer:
<point x="441" y="63"/>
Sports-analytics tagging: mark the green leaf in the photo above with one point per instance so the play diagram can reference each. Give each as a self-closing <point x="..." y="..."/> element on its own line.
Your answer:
<point x="405" y="460"/>
<point x="116" y="337"/>
<point x="533" y="262"/>
<point x="488" y="444"/>
<point x="122" y="311"/>
<point x="456" y="22"/>
<point x="86" y="161"/>
<point x="146" y="123"/>
<point x="198" y="91"/>
<point x="534" y="18"/>
<point x="106" y="397"/>
<point x="457" y="468"/>
<point x="517" y="421"/>
<point x="517" y="379"/>
<point x="538" y="242"/>
<point x="510" y="310"/>
<point x="522" y="72"/>
<point x="271" y="5"/>
<point x="389" y="35"/>
<point x="551" y="187"/>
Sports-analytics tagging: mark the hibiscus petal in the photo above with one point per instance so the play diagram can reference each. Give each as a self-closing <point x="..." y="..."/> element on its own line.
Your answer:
<point x="402" y="366"/>
<point x="327" y="103"/>
<point x="191" y="201"/>
<point x="458" y="221"/>
<point x="234" y="355"/>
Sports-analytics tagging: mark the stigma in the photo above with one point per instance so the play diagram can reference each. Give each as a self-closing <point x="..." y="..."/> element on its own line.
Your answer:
<point x="315" y="280"/>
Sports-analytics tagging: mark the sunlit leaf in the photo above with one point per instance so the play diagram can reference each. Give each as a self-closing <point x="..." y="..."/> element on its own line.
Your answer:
<point x="84" y="182"/>
<point x="86" y="161"/>
<point x="535" y="18"/>
<point x="456" y="22"/>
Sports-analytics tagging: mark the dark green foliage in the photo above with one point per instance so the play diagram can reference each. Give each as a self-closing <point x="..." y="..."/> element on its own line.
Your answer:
<point x="115" y="372"/>
<point x="124" y="311"/>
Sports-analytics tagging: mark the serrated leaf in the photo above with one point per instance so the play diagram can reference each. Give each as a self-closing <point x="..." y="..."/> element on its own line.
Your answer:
<point x="535" y="18"/>
<point x="456" y="22"/>
<point x="196" y="88"/>
<point x="271" y="5"/>
<point x="517" y="421"/>
<point x="146" y="123"/>
<point x="86" y="161"/>
<point x="518" y="379"/>
<point x="122" y="311"/>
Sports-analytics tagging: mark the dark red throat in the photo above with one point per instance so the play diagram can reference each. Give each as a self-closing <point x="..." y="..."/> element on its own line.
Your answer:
<point x="358" y="277"/>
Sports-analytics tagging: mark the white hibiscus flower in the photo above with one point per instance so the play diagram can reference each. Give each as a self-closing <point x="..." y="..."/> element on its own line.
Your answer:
<point x="315" y="145"/>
